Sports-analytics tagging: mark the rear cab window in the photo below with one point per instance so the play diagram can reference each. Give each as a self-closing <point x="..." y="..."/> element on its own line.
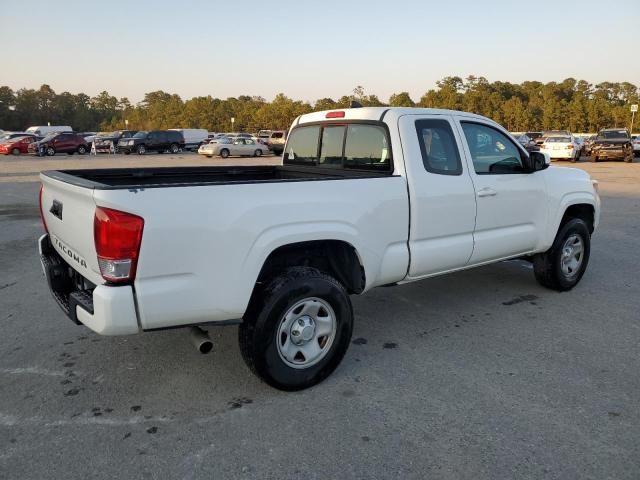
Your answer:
<point x="344" y="145"/>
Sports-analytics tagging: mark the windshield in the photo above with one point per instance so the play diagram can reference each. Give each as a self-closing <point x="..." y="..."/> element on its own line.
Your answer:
<point x="558" y="140"/>
<point x="141" y="134"/>
<point x="613" y="134"/>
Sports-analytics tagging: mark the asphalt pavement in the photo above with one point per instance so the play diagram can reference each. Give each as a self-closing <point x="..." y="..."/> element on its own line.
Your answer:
<point x="481" y="374"/>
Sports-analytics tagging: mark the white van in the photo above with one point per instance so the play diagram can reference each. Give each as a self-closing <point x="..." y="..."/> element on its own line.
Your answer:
<point x="193" y="137"/>
<point x="44" y="130"/>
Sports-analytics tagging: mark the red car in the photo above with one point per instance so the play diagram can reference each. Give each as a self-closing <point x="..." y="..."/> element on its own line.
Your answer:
<point x="64" y="142"/>
<point x="17" y="145"/>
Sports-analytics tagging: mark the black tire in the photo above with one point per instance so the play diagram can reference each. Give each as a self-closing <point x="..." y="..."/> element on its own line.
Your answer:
<point x="127" y="152"/>
<point x="141" y="149"/>
<point x="15" y="151"/>
<point x="50" y="151"/>
<point x="257" y="153"/>
<point x="629" y="157"/>
<point x="82" y="150"/>
<point x="174" y="148"/>
<point x="258" y="333"/>
<point x="224" y="153"/>
<point x="595" y="158"/>
<point x="70" y="153"/>
<point x="547" y="266"/>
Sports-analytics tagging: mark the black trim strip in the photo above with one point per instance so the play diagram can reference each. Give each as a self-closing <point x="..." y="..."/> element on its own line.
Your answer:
<point x="75" y="177"/>
<point x="220" y="323"/>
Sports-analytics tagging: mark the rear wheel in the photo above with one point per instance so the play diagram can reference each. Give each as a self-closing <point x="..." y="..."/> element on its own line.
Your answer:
<point x="562" y="266"/>
<point x="15" y="151"/>
<point x="297" y="329"/>
<point x="141" y="150"/>
<point x="174" y="148"/>
<point x="257" y="153"/>
<point x="224" y="153"/>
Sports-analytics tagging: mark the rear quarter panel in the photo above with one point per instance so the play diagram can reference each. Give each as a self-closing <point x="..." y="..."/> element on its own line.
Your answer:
<point x="203" y="247"/>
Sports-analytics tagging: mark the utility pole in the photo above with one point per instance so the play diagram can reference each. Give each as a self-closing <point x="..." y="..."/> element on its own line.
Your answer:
<point x="634" y="109"/>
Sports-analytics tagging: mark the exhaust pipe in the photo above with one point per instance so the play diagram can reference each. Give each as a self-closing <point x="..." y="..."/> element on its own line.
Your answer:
<point x="200" y="340"/>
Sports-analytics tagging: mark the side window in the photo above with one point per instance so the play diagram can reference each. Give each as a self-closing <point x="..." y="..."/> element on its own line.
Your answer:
<point x="491" y="151"/>
<point x="302" y="147"/>
<point x="331" y="146"/>
<point x="367" y="148"/>
<point x="438" y="146"/>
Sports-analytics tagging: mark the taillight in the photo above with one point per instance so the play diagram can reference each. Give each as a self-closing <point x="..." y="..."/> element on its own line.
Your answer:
<point x="334" y="115"/>
<point x="44" y="223"/>
<point x="117" y="236"/>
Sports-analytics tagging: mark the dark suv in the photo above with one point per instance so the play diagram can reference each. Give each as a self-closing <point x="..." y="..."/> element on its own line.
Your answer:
<point x="612" y="144"/>
<point x="155" y="140"/>
<point x="65" y="142"/>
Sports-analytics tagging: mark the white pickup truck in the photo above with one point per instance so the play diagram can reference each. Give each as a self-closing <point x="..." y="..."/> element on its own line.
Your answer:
<point x="365" y="197"/>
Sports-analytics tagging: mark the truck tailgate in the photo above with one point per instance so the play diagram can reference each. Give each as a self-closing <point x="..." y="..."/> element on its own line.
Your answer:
<point x="68" y="211"/>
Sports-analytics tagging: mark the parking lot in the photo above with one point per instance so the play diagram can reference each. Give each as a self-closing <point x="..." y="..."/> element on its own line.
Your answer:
<point x="478" y="374"/>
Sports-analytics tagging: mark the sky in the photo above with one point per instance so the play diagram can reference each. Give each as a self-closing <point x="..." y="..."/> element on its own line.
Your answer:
<point x="310" y="50"/>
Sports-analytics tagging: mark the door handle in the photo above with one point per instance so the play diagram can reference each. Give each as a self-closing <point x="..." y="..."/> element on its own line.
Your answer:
<point x="487" y="192"/>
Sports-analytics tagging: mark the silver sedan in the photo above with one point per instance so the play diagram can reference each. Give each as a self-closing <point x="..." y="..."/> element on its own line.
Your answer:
<point x="226" y="147"/>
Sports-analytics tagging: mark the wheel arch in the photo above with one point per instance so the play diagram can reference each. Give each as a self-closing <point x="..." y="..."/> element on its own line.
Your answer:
<point x="337" y="258"/>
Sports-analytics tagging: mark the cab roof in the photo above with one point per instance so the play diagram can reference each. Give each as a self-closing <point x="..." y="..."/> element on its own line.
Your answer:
<point x="380" y="113"/>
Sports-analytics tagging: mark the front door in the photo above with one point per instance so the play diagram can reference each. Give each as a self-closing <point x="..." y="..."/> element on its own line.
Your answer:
<point x="512" y="207"/>
<point x="443" y="203"/>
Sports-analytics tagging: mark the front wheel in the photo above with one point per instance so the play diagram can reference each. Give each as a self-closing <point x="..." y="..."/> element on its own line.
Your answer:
<point x="297" y="329"/>
<point x="174" y="148"/>
<point x="257" y="153"/>
<point x="51" y="151"/>
<point x="562" y="266"/>
<point x="82" y="149"/>
<point x="15" y="151"/>
<point x="224" y="153"/>
<point x="141" y="150"/>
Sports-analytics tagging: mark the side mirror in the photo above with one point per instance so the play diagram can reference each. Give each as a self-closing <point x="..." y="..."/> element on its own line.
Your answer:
<point x="539" y="161"/>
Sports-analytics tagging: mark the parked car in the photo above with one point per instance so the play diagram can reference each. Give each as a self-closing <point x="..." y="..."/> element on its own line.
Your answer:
<point x="561" y="147"/>
<point x="364" y="198"/>
<point x="6" y="136"/>
<point x="239" y="146"/>
<point x="17" y="145"/>
<point x="276" y="141"/>
<point x="193" y="137"/>
<point x="156" y="140"/>
<point x="263" y="136"/>
<point x="44" y="130"/>
<point x="612" y="144"/>
<point x="103" y="138"/>
<point x="528" y="143"/>
<point x="535" y="136"/>
<point x="635" y="140"/>
<point x="588" y="144"/>
<point x="66" y="142"/>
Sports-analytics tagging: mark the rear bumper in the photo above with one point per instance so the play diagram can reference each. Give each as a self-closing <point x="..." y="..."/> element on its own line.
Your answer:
<point x="609" y="154"/>
<point x="564" y="153"/>
<point x="105" y="309"/>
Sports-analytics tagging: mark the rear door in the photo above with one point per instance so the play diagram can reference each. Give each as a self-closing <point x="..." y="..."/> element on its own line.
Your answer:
<point x="443" y="203"/>
<point x="512" y="207"/>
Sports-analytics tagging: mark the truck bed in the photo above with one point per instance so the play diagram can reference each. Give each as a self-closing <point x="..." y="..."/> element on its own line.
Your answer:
<point x="136" y="178"/>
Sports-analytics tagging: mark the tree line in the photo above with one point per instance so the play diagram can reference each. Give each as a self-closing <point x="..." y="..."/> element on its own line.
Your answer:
<point x="576" y="105"/>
